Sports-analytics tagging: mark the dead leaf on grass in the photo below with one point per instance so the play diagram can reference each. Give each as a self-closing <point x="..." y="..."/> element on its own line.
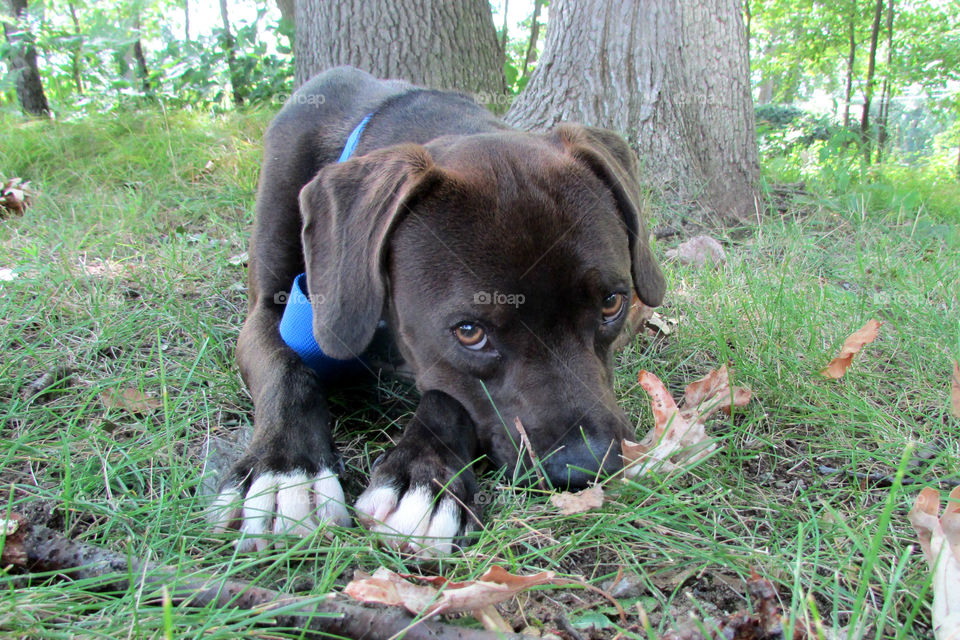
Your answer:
<point x="955" y="390"/>
<point x="679" y="432"/>
<point x="698" y="251"/>
<point x="98" y="268"/>
<point x="239" y="260"/>
<point x="132" y="400"/>
<point x="939" y="539"/>
<point x="15" y="196"/>
<point x="440" y="595"/>
<point x="570" y="503"/>
<point x="851" y="347"/>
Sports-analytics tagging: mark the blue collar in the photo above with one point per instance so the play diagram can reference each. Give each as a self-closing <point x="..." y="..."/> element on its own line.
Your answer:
<point x="354" y="139"/>
<point x="296" y="325"/>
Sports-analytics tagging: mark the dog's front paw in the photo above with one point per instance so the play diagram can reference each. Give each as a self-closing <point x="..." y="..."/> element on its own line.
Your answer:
<point x="419" y="504"/>
<point x="271" y="505"/>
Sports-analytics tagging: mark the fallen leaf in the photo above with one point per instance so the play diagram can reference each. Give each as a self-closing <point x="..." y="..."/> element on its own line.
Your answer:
<point x="570" y="503"/>
<point x="955" y="390"/>
<point x="8" y="275"/>
<point x="657" y="324"/>
<point x="131" y="400"/>
<point x="764" y="620"/>
<point x="851" y="346"/>
<point x="698" y="251"/>
<point x="939" y="539"/>
<point x="239" y="260"/>
<point x="15" y="196"/>
<point x="494" y="586"/>
<point x="679" y="432"/>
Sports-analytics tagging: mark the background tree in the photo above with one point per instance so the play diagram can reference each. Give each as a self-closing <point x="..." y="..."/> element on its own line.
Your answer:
<point x="23" y="61"/>
<point x="671" y="77"/>
<point x="441" y="44"/>
<point x="229" y="46"/>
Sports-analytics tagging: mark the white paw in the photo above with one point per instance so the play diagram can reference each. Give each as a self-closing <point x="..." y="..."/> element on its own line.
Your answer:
<point x="415" y="522"/>
<point x="279" y="504"/>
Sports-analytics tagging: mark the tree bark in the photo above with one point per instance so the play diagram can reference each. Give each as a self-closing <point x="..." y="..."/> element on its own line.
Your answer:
<point x="851" y="59"/>
<point x="287" y="11"/>
<point x="436" y="43"/>
<point x="77" y="53"/>
<point x="672" y="78"/>
<point x="186" y="20"/>
<point x="142" y="72"/>
<point x="23" y="63"/>
<point x="229" y="45"/>
<point x="868" y="91"/>
<point x="887" y="90"/>
<point x="531" y="56"/>
<point x="503" y="35"/>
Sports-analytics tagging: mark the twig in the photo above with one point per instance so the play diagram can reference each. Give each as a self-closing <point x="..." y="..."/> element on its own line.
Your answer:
<point x="883" y="479"/>
<point x="39" y="549"/>
<point x="525" y="441"/>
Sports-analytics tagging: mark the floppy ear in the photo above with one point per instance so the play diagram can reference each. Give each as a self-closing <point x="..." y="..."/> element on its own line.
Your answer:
<point x="612" y="160"/>
<point x="349" y="211"/>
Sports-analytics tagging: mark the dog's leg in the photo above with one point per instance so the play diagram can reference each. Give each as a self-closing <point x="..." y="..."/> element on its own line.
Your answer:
<point x="285" y="483"/>
<point x="421" y="495"/>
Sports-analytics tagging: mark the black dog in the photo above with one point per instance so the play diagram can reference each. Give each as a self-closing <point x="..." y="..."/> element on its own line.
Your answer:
<point x="501" y="265"/>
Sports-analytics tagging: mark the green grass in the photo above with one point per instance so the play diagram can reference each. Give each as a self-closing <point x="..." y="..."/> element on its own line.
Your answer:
<point x="137" y="193"/>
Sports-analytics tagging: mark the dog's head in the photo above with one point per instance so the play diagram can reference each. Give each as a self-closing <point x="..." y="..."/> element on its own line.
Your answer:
<point x="506" y="264"/>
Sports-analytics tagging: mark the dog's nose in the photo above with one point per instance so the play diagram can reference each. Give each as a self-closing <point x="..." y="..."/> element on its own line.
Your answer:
<point x="576" y="464"/>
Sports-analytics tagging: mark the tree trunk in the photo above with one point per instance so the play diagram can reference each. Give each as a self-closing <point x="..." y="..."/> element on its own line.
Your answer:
<point x="672" y="78"/>
<point x="229" y="45"/>
<point x="531" y="56"/>
<point x="851" y="59"/>
<point x="142" y="72"/>
<point x="748" y="19"/>
<point x="868" y="91"/>
<point x="503" y="35"/>
<point x="885" y="93"/>
<point x="77" y="53"/>
<point x="436" y="43"/>
<point x="186" y="20"/>
<point x="23" y="62"/>
<point x="287" y="11"/>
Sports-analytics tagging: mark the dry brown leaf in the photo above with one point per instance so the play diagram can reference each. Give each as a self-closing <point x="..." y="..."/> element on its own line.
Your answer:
<point x="15" y="196"/>
<point x="940" y="540"/>
<point x="698" y="251"/>
<point x="955" y="390"/>
<point x="570" y="503"/>
<point x="132" y="400"/>
<point x="679" y="432"/>
<point x="493" y="587"/>
<point x="851" y="347"/>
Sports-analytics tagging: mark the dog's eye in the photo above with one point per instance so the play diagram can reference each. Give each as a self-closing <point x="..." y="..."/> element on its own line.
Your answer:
<point x="470" y="335"/>
<point x="613" y="306"/>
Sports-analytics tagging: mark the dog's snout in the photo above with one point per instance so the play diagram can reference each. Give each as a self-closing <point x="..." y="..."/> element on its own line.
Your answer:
<point x="579" y="460"/>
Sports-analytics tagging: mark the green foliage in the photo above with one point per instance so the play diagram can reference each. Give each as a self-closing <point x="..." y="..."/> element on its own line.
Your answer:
<point x="797" y="146"/>
<point x="88" y="66"/>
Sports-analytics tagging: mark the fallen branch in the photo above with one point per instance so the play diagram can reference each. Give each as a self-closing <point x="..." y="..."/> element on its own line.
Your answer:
<point x="39" y="549"/>
<point x="883" y="479"/>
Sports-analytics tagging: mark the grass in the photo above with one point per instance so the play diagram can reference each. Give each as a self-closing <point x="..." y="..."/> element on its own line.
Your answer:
<point x="125" y="277"/>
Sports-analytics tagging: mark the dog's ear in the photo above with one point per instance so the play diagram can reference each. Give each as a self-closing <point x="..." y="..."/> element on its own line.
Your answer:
<point x="349" y="211"/>
<point x="612" y="160"/>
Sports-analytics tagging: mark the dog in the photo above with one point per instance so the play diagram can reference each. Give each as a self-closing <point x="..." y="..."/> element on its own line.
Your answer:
<point x="498" y="264"/>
